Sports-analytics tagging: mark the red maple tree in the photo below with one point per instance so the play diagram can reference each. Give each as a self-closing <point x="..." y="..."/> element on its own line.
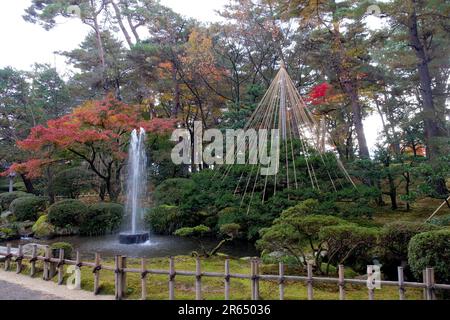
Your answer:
<point x="97" y="132"/>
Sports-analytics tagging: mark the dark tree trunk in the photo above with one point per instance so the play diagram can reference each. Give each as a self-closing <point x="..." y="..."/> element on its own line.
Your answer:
<point x="28" y="184"/>
<point x="432" y="130"/>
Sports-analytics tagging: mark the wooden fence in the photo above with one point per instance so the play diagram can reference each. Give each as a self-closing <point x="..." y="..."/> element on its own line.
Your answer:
<point x="53" y="266"/>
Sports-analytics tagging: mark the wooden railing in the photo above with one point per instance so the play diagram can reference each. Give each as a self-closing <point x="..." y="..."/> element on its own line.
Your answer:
<point x="53" y="266"/>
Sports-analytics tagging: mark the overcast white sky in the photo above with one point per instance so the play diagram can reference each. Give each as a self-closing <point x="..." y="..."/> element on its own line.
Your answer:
<point x="24" y="44"/>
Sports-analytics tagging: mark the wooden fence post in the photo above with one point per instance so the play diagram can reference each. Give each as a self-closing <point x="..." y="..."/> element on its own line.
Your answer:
<point x="432" y="279"/>
<point x="61" y="267"/>
<point x="124" y="284"/>
<point x="429" y="273"/>
<point x="401" y="280"/>
<point x="371" y="291"/>
<point x="117" y="278"/>
<point x="46" y="273"/>
<point x="78" y="271"/>
<point x="253" y="278"/>
<point x="97" y="269"/>
<point x="281" y="280"/>
<point x="227" y="279"/>
<point x="143" y="280"/>
<point x="8" y="257"/>
<point x="171" y="279"/>
<point x="19" y="259"/>
<point x="310" y="281"/>
<point x="198" y="280"/>
<point x="424" y="279"/>
<point x="341" y="282"/>
<point x="257" y="296"/>
<point x="33" y="261"/>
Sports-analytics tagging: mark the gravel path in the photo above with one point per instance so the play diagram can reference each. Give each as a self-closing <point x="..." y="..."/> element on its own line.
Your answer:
<point x="21" y="287"/>
<point x="11" y="291"/>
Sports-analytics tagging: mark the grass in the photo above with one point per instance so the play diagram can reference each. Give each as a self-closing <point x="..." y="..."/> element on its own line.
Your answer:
<point x="213" y="288"/>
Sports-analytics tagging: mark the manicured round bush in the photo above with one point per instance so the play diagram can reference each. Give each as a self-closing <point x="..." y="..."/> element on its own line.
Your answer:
<point x="67" y="213"/>
<point x="27" y="208"/>
<point x="102" y="218"/>
<point x="68" y="249"/>
<point x="395" y="236"/>
<point x="430" y="249"/>
<point x="164" y="219"/>
<point x="73" y="181"/>
<point x="42" y="229"/>
<point x="8" y="197"/>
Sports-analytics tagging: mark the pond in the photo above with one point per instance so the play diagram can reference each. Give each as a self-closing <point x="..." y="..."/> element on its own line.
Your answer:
<point x="157" y="246"/>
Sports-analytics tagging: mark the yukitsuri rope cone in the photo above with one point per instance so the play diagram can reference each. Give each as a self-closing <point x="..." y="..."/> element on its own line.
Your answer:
<point x="300" y="134"/>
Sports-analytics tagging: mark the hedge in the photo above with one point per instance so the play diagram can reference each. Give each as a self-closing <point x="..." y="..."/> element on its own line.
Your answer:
<point x="8" y="197"/>
<point x="67" y="213"/>
<point x="164" y="219"/>
<point x="430" y="249"/>
<point x="28" y="208"/>
<point x="102" y="218"/>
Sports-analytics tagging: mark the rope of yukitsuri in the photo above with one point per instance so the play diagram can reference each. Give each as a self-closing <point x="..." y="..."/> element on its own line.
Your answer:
<point x="283" y="108"/>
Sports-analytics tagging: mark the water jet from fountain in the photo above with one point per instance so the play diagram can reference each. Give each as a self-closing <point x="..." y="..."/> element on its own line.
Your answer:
<point x="136" y="190"/>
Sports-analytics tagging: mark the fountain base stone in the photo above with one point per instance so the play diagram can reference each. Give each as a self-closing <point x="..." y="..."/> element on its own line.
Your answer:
<point x="133" y="238"/>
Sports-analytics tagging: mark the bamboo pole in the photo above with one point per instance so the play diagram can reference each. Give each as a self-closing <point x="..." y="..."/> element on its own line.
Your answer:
<point x="341" y="282"/>
<point x="61" y="267"/>
<point x="227" y="279"/>
<point x="401" y="280"/>
<point x="33" y="261"/>
<point x="310" y="281"/>
<point x="19" y="258"/>
<point x="198" y="279"/>
<point x="143" y="280"/>
<point x="97" y="273"/>
<point x="281" y="280"/>
<point x="171" y="279"/>
<point x="8" y="257"/>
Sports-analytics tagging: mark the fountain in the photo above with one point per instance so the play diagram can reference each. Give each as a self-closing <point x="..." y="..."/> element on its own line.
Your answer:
<point x="136" y="190"/>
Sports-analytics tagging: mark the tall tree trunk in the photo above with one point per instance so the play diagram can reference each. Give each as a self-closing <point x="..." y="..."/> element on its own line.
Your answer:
<point x="121" y="25"/>
<point x="432" y="131"/>
<point x="431" y="122"/>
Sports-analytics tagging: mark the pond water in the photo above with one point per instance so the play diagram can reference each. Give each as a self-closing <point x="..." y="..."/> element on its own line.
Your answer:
<point x="157" y="246"/>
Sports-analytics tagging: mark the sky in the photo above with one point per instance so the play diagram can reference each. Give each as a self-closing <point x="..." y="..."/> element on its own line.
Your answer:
<point x="24" y="44"/>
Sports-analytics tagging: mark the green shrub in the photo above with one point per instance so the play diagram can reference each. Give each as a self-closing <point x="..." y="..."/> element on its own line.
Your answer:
<point x="42" y="229"/>
<point x="27" y="208"/>
<point x="430" y="249"/>
<point x="348" y="244"/>
<point x="394" y="238"/>
<point x="102" y="218"/>
<point x="306" y="207"/>
<point x="7" y="234"/>
<point x="197" y="231"/>
<point x="68" y="249"/>
<point x="443" y="221"/>
<point x="164" y="219"/>
<point x="8" y="197"/>
<point x="67" y="213"/>
<point x="72" y="182"/>
<point x="173" y="191"/>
